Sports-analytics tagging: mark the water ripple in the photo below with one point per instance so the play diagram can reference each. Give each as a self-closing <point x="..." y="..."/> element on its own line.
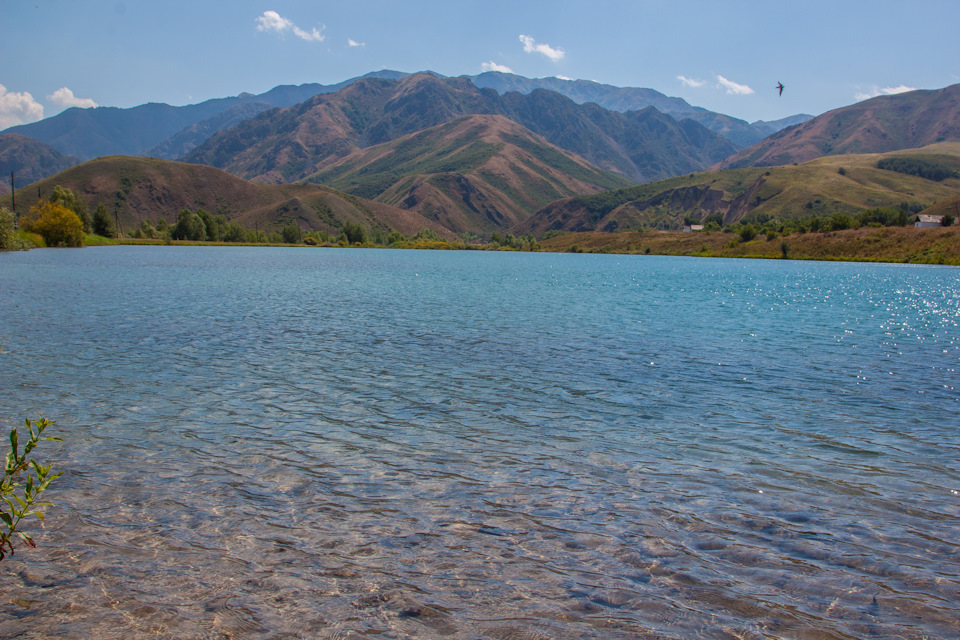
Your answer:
<point x="333" y="443"/>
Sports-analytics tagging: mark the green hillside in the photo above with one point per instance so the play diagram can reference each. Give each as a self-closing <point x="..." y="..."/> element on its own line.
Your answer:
<point x="826" y="186"/>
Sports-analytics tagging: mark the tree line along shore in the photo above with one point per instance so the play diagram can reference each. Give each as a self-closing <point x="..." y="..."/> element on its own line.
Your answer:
<point x="876" y="235"/>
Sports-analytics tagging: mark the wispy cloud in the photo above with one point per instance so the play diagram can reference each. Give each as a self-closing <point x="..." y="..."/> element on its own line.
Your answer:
<point x="493" y="66"/>
<point x="733" y="88"/>
<point x="690" y="82"/>
<point x="273" y="21"/>
<point x="532" y="46"/>
<point x="353" y="43"/>
<point x="886" y="91"/>
<point x="65" y="98"/>
<point x="18" y="108"/>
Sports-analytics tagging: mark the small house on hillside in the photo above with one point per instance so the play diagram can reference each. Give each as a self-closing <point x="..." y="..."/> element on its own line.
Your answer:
<point x="924" y="221"/>
<point x="690" y="228"/>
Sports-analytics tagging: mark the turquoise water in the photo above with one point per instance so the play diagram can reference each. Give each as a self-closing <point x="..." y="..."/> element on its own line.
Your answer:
<point x="280" y="443"/>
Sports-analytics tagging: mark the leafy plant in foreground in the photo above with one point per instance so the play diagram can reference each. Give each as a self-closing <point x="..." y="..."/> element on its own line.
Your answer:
<point x="19" y="500"/>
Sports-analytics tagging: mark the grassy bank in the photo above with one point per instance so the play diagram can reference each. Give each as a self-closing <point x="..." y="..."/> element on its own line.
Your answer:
<point x="867" y="244"/>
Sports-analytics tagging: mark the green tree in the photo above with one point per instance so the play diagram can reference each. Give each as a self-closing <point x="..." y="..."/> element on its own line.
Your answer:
<point x="233" y="231"/>
<point x="353" y="233"/>
<point x="211" y="228"/>
<point x="291" y="233"/>
<point x="102" y="223"/>
<point x="189" y="226"/>
<point x="73" y="202"/>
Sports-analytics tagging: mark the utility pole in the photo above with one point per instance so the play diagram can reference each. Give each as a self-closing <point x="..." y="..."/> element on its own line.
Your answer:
<point x="13" y="196"/>
<point x="116" y="218"/>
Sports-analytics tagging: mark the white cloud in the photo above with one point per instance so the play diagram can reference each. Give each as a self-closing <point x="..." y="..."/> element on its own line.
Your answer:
<point x="564" y="78"/>
<point x="65" y="98"/>
<point x="530" y="46"/>
<point x="886" y="91"/>
<point x="353" y="43"/>
<point x="690" y="82"/>
<point x="273" y="21"/>
<point x="18" y="108"/>
<point x="493" y="66"/>
<point x="733" y="88"/>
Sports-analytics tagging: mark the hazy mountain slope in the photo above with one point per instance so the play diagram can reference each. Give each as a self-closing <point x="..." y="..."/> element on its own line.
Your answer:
<point x="185" y="141"/>
<point x="477" y="173"/>
<point x="90" y="133"/>
<point x="824" y="186"/>
<point x="886" y="123"/>
<point x="29" y="159"/>
<point x="291" y="144"/>
<point x="640" y="145"/>
<point x="624" y="99"/>
<point x="137" y="189"/>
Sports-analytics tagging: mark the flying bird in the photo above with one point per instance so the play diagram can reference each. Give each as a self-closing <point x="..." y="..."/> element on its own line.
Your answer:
<point x="780" y="87"/>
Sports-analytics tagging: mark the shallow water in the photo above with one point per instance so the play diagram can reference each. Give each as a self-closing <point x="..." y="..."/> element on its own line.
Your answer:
<point x="283" y="443"/>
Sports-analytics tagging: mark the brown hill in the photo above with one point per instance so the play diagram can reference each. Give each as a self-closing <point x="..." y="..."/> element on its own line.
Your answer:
<point x="285" y="145"/>
<point x="886" y="123"/>
<point x="478" y="173"/>
<point x="137" y="189"/>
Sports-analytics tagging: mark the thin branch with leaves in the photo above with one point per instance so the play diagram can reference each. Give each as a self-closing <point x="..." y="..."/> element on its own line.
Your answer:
<point x="24" y="480"/>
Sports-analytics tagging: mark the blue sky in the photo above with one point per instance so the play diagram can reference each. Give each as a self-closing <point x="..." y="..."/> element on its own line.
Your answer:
<point x="724" y="56"/>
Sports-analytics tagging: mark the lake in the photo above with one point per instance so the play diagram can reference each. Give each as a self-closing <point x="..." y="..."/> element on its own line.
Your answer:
<point x="346" y="443"/>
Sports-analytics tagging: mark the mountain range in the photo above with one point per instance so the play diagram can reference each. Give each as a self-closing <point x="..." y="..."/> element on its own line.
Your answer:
<point x="885" y="123"/>
<point x="489" y="152"/>
<point x="285" y="145"/>
<point x="165" y="131"/>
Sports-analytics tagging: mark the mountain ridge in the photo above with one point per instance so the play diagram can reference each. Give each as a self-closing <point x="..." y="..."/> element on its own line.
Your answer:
<point x="884" y="123"/>
<point x="291" y="144"/>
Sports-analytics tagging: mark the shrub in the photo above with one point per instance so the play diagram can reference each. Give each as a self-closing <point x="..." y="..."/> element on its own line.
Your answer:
<point x="57" y="225"/>
<point x="8" y="234"/>
<point x="102" y="224"/>
<point x="15" y="505"/>
<point x="747" y="232"/>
